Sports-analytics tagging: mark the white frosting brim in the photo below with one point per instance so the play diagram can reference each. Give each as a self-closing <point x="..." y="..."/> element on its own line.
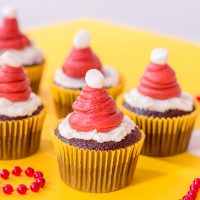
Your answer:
<point x="28" y="56"/>
<point x="116" y="135"/>
<point x="136" y="99"/>
<point x="111" y="78"/>
<point x="16" y="109"/>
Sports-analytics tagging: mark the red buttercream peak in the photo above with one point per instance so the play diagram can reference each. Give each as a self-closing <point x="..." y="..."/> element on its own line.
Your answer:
<point x="14" y="84"/>
<point x="94" y="108"/>
<point x="81" y="58"/>
<point x="159" y="79"/>
<point x="10" y="35"/>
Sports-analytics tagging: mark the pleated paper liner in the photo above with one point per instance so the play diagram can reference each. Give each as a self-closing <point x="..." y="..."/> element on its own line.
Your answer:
<point x="20" y="138"/>
<point x="35" y="73"/>
<point x="164" y="136"/>
<point x="97" y="171"/>
<point x="64" y="97"/>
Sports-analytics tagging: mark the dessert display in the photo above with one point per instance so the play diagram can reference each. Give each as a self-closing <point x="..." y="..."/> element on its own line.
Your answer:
<point x="21" y="111"/>
<point x="69" y="79"/>
<point x="97" y="145"/>
<point x="13" y="40"/>
<point x="193" y="193"/>
<point x="160" y="108"/>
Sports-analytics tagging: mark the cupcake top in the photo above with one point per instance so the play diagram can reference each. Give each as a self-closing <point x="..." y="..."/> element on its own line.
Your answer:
<point x="158" y="89"/>
<point x="79" y="61"/>
<point x="81" y="58"/>
<point x="12" y="39"/>
<point x="16" y="98"/>
<point x="95" y="115"/>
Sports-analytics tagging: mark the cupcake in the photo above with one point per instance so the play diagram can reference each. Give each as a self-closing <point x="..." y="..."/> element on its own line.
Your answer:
<point x="12" y="40"/>
<point x="97" y="146"/>
<point x="70" y="78"/>
<point x="21" y="111"/>
<point x="159" y="107"/>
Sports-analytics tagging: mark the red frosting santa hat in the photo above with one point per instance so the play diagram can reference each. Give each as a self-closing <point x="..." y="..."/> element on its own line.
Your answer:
<point x="14" y="83"/>
<point x="159" y="79"/>
<point x="10" y="34"/>
<point x="94" y="109"/>
<point x="81" y="58"/>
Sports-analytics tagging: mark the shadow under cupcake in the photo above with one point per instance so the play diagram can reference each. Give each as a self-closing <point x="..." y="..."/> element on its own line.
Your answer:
<point x="97" y="146"/>
<point x="159" y="107"/>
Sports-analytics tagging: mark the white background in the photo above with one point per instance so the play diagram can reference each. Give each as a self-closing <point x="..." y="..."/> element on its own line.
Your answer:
<point x="179" y="18"/>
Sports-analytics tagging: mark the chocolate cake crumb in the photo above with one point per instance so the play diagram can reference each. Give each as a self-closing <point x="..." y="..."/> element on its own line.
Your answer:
<point x="169" y="113"/>
<point x="130" y="139"/>
<point x="33" y="64"/>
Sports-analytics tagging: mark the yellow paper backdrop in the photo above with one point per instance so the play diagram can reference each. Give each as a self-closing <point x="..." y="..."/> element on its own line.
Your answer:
<point x="128" y="50"/>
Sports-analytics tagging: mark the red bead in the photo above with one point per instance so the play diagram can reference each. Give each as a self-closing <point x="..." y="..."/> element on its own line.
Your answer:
<point x="7" y="189"/>
<point x="196" y="185"/>
<point x="192" y="194"/>
<point x="34" y="187"/>
<point x="29" y="171"/>
<point x="186" y="197"/>
<point x="41" y="181"/>
<point x="194" y="188"/>
<point x="198" y="98"/>
<point x="17" y="171"/>
<point x="38" y="175"/>
<point x="21" y="189"/>
<point x="4" y="174"/>
<point x="197" y="180"/>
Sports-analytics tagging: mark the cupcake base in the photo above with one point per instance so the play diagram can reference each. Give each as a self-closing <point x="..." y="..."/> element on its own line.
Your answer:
<point x="64" y="97"/>
<point x="164" y="136"/>
<point x="35" y="73"/>
<point x="96" y="170"/>
<point x="20" y="138"/>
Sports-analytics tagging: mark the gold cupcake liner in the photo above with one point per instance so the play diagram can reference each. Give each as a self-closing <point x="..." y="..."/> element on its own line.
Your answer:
<point x="20" y="138"/>
<point x="164" y="136"/>
<point x="97" y="171"/>
<point x="64" y="97"/>
<point x="35" y="73"/>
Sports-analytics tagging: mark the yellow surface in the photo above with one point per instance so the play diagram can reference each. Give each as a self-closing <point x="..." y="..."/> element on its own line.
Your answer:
<point x="128" y="50"/>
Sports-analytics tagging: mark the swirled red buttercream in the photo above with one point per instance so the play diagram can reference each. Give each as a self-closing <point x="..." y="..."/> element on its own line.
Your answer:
<point x="10" y="35"/>
<point x="95" y="109"/>
<point x="159" y="82"/>
<point x="14" y="84"/>
<point x="79" y="61"/>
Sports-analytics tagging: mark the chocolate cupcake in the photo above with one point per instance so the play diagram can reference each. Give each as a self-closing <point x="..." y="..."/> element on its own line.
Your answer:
<point x="13" y="40"/>
<point x="21" y="111"/>
<point x="69" y="79"/>
<point x="97" y="146"/>
<point x="160" y="108"/>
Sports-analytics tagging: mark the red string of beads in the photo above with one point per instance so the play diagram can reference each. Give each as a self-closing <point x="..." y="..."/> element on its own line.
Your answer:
<point x="22" y="189"/>
<point x="194" y="188"/>
<point x="198" y="98"/>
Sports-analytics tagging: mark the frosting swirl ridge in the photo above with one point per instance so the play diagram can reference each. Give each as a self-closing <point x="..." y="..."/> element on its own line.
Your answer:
<point x="95" y="109"/>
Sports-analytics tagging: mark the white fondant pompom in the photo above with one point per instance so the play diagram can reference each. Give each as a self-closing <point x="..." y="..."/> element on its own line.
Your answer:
<point x="9" y="12"/>
<point x="159" y="56"/>
<point x="82" y="39"/>
<point x="94" y="78"/>
<point x="9" y="58"/>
